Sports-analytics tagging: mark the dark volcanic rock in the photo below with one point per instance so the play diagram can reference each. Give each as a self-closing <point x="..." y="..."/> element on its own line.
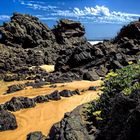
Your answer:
<point x="92" y="88"/>
<point x="66" y="93"/>
<point x="15" y="88"/>
<point x="76" y="92"/>
<point x="28" y="42"/>
<point x="54" y="96"/>
<point x="37" y="135"/>
<point x="72" y="127"/>
<point x="91" y="76"/>
<point x="41" y="99"/>
<point x="7" y="121"/>
<point x="120" y="118"/>
<point x="69" y="33"/>
<point x="17" y="103"/>
<point x="131" y="31"/>
<point x="97" y="60"/>
<point x="26" y="31"/>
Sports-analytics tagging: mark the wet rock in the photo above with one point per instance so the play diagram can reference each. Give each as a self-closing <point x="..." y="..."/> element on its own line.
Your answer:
<point x="7" y="121"/>
<point x="37" y="135"/>
<point x="17" y="103"/>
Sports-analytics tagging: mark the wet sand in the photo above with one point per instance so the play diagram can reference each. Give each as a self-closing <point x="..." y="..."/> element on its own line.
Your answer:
<point x="43" y="116"/>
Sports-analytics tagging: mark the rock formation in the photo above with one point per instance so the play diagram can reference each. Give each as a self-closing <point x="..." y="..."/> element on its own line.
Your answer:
<point x="72" y="127"/>
<point x="26" y="42"/>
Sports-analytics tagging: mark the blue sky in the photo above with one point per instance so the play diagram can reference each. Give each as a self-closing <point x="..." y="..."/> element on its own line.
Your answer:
<point x="101" y="18"/>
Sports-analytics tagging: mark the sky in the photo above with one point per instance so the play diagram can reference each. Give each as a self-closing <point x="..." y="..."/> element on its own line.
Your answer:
<point x="102" y="18"/>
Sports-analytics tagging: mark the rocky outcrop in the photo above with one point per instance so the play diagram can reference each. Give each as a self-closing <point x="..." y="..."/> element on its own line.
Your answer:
<point x="69" y="33"/>
<point x="7" y="121"/>
<point x="97" y="60"/>
<point x="72" y="127"/>
<point x="122" y="122"/>
<point x="26" y="42"/>
<point x="131" y="31"/>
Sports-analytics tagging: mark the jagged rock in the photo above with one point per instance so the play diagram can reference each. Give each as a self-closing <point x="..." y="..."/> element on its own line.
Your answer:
<point x="91" y="76"/>
<point x="17" y="103"/>
<point x="37" y="135"/>
<point x="131" y="31"/>
<point x="28" y="42"/>
<point x="72" y="127"/>
<point x="69" y="33"/>
<point x="120" y="114"/>
<point x="7" y="121"/>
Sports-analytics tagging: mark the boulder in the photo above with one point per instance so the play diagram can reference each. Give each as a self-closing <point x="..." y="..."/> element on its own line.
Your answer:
<point x="41" y="99"/>
<point x="66" y="93"/>
<point x="17" y="103"/>
<point x="54" y="96"/>
<point x="91" y="76"/>
<point x="7" y="121"/>
<point x="71" y="127"/>
<point x="37" y="135"/>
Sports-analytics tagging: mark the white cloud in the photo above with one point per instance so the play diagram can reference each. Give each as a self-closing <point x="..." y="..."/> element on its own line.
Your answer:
<point x="42" y="17"/>
<point x="97" y="14"/>
<point x="38" y="5"/>
<point x="4" y="17"/>
<point x="102" y="14"/>
<point x="92" y="11"/>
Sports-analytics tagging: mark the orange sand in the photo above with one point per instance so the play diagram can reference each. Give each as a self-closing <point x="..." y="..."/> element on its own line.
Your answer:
<point x="43" y="116"/>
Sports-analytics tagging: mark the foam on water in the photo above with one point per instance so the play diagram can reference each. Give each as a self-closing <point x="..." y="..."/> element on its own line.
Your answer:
<point x="94" y="42"/>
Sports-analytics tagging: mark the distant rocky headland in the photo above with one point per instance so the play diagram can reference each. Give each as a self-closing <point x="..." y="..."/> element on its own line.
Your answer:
<point x="26" y="44"/>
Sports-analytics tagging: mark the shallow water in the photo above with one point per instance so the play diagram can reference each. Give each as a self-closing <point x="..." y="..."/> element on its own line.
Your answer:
<point x="43" y="116"/>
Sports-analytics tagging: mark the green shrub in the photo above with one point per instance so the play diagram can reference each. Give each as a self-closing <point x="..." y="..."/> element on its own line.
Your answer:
<point x="124" y="80"/>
